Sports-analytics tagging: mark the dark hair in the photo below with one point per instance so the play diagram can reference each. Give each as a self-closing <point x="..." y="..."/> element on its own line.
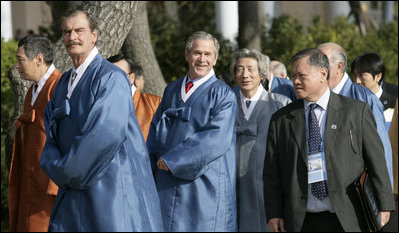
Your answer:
<point x="35" y="44"/>
<point x="369" y="62"/>
<point x="316" y="58"/>
<point x="70" y="13"/>
<point x="134" y="68"/>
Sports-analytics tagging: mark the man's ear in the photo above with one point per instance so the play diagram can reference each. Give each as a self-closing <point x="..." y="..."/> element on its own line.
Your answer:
<point x="378" y="77"/>
<point x="186" y="53"/>
<point x="39" y="59"/>
<point x="132" y="77"/>
<point x="324" y="73"/>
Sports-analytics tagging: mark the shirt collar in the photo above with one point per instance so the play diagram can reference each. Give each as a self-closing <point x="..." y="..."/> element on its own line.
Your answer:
<point x="379" y="93"/>
<point x="322" y="101"/>
<point x="82" y="68"/>
<point x="133" y="89"/>
<point x="200" y="80"/>
<point x="271" y="80"/>
<point x="43" y="80"/>
<point x="341" y="84"/>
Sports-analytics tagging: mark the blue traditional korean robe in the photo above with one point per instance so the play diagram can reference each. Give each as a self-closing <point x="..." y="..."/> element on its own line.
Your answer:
<point x="251" y="151"/>
<point x="96" y="154"/>
<point x="361" y="93"/>
<point x="196" y="140"/>
<point x="283" y="86"/>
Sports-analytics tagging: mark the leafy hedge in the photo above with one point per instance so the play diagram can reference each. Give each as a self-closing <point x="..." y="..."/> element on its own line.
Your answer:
<point x="8" y="50"/>
<point x="286" y="37"/>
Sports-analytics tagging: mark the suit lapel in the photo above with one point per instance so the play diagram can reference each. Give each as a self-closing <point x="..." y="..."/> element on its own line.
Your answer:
<point x="297" y="125"/>
<point x="334" y="118"/>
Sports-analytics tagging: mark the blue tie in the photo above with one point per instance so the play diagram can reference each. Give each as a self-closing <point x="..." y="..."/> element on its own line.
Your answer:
<point x="247" y="102"/>
<point x="319" y="189"/>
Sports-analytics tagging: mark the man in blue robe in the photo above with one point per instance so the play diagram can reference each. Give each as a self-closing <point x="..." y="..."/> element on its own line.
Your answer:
<point x="255" y="108"/>
<point x="95" y="151"/>
<point x="340" y="83"/>
<point x="192" y="145"/>
<point x="279" y="85"/>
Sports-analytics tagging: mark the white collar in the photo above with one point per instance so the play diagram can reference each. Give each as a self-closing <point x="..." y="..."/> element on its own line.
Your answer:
<point x="341" y="84"/>
<point x="40" y="84"/>
<point x="248" y="110"/>
<point x="270" y="83"/>
<point x="80" y="70"/>
<point x="197" y="82"/>
<point x="133" y="89"/>
<point x="379" y="92"/>
<point x="322" y="101"/>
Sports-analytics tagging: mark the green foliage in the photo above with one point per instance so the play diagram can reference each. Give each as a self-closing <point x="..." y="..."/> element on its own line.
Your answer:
<point x="8" y="50"/>
<point x="286" y="37"/>
<point x="169" y="37"/>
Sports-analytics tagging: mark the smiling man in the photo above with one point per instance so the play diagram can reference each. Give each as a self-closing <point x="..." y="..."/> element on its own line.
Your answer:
<point x="192" y="145"/>
<point x="255" y="108"/>
<point x="95" y="151"/>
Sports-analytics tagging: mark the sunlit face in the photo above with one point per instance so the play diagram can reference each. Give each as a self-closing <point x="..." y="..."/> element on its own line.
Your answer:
<point x="367" y="80"/>
<point x="247" y="75"/>
<point x="201" y="58"/>
<point x="77" y="36"/>
<point x="27" y="69"/>
<point x="308" y="80"/>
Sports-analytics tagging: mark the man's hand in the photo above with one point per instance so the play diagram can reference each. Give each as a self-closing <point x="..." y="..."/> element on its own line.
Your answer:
<point x="384" y="217"/>
<point x="161" y="164"/>
<point x="276" y="225"/>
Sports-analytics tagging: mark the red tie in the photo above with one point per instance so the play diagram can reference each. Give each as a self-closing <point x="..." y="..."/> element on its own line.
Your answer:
<point x="189" y="85"/>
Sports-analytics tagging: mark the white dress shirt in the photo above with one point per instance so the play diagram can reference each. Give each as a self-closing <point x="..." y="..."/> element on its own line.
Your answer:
<point x="314" y="205"/>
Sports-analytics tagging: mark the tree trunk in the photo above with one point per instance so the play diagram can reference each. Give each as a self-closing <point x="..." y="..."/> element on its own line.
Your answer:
<point x="249" y="31"/>
<point x="114" y="22"/>
<point x="138" y="46"/>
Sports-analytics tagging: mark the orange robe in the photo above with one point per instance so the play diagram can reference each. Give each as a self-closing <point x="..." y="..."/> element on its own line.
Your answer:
<point x="145" y="106"/>
<point x="31" y="194"/>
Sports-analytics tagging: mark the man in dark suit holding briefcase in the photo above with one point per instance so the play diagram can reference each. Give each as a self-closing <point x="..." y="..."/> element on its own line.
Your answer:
<point x="316" y="147"/>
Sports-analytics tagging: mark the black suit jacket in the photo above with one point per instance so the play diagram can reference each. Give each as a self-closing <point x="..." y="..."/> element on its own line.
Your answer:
<point x="285" y="169"/>
<point x="390" y="88"/>
<point x="387" y="100"/>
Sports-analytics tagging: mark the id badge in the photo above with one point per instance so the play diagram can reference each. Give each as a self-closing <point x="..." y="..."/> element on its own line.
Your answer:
<point x="316" y="168"/>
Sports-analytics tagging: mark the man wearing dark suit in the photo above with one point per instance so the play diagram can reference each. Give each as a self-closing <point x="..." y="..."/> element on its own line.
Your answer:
<point x="368" y="70"/>
<point x="323" y="134"/>
<point x="390" y="88"/>
<point x="278" y="85"/>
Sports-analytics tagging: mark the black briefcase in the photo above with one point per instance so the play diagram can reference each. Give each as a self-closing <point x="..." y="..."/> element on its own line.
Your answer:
<point x="362" y="196"/>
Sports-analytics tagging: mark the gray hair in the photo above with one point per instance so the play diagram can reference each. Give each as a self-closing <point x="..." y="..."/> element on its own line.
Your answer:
<point x="279" y="68"/>
<point x="251" y="53"/>
<point x="204" y="36"/>
<point x="338" y="54"/>
<point x="35" y="45"/>
<point x="316" y="58"/>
